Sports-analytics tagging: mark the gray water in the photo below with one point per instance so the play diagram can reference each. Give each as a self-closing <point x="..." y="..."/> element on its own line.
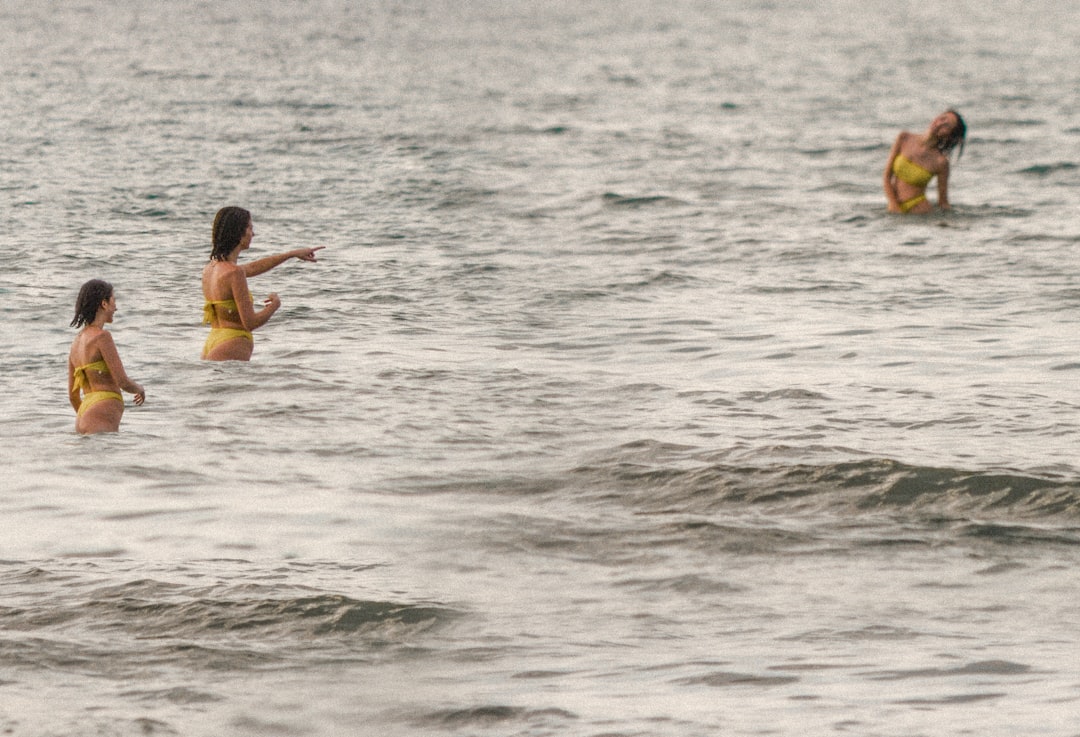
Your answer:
<point x="616" y="404"/>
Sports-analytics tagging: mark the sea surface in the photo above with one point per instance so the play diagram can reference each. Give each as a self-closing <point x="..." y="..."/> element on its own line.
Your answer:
<point x="615" y="406"/>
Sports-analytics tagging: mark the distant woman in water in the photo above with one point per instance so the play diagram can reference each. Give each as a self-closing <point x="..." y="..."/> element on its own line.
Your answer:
<point x="229" y="308"/>
<point x="95" y="373"/>
<point x="915" y="159"/>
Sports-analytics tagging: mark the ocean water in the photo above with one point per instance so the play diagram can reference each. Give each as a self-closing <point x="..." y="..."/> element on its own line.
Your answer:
<point x="615" y="406"/>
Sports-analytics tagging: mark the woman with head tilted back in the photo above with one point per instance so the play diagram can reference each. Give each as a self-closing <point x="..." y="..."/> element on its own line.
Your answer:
<point x="95" y="373"/>
<point x="229" y="307"/>
<point x="915" y="159"/>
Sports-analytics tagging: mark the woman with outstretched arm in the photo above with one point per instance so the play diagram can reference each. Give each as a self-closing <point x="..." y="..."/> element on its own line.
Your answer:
<point x="229" y="307"/>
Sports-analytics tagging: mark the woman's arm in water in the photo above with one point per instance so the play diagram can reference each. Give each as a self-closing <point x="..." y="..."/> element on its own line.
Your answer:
<point x="943" y="186"/>
<point x="889" y="181"/>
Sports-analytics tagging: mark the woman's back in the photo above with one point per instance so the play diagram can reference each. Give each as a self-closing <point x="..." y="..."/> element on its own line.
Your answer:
<point x="219" y="287"/>
<point x="89" y="363"/>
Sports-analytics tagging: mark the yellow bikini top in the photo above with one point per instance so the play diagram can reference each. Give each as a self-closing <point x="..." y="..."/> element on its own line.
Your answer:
<point x="80" y="381"/>
<point x="208" y="308"/>
<point x="910" y="172"/>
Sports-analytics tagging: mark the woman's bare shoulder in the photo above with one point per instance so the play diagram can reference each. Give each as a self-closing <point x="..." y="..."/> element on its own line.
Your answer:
<point x="86" y="348"/>
<point x="904" y="137"/>
<point x="219" y="277"/>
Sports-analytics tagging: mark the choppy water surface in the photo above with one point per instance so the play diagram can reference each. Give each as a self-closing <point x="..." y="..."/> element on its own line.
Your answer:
<point x="616" y="404"/>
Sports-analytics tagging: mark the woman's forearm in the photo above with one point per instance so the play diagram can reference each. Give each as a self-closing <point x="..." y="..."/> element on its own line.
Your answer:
<point x="943" y="193"/>
<point x="264" y="264"/>
<point x="263" y="316"/>
<point x="890" y="194"/>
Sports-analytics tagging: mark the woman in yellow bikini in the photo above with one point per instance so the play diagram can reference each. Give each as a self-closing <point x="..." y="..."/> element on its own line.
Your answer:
<point x="916" y="159"/>
<point x="95" y="372"/>
<point x="229" y="307"/>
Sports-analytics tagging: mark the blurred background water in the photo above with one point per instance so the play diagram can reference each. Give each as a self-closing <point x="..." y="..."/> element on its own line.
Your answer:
<point x="616" y="404"/>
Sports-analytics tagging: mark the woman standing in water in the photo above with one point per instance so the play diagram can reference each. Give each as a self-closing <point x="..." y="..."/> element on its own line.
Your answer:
<point x="916" y="159"/>
<point x="229" y="308"/>
<point x="95" y="373"/>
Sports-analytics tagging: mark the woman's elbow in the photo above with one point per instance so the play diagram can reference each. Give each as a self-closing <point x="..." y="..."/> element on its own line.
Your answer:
<point x="249" y="322"/>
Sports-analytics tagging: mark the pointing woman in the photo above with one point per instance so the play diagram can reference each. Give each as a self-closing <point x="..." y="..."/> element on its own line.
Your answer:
<point x="229" y="306"/>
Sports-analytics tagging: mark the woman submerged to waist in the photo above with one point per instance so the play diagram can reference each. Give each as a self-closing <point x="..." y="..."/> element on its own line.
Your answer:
<point x="106" y="388"/>
<point x="224" y="324"/>
<point x="913" y="175"/>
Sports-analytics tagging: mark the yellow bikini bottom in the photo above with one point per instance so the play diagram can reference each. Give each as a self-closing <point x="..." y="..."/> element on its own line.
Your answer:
<point x="218" y="336"/>
<point x="91" y="398"/>
<point x="906" y="205"/>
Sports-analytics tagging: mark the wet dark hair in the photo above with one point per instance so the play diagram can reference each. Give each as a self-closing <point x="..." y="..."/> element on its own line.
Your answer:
<point x="958" y="136"/>
<point x="229" y="226"/>
<point x="92" y="294"/>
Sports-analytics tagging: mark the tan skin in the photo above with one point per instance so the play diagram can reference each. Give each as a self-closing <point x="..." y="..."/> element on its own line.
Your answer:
<point x="223" y="280"/>
<point x="921" y="149"/>
<point x="92" y="344"/>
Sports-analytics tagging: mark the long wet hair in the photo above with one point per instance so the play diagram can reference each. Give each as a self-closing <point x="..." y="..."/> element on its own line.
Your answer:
<point x="230" y="223"/>
<point x="957" y="137"/>
<point x="92" y="294"/>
